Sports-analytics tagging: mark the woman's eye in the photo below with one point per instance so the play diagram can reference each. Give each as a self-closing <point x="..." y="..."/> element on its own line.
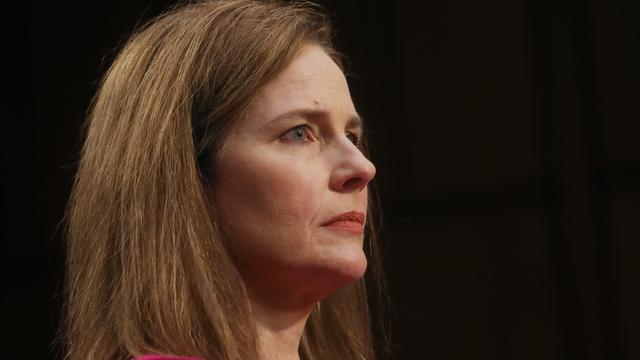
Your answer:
<point x="354" y="138"/>
<point x="299" y="134"/>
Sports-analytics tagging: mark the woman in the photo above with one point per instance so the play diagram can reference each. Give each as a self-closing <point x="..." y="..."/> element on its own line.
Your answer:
<point x="219" y="206"/>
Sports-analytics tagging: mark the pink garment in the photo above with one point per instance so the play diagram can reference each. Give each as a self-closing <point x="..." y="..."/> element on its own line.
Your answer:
<point x="164" y="357"/>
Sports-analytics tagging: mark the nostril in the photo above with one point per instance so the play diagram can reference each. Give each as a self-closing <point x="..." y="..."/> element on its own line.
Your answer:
<point x="353" y="184"/>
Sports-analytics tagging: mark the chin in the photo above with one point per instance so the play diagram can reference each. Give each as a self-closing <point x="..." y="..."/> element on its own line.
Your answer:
<point x="356" y="266"/>
<point x="345" y="269"/>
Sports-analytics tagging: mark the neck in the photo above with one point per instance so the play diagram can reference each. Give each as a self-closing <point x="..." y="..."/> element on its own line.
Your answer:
<point x="279" y="330"/>
<point x="280" y="311"/>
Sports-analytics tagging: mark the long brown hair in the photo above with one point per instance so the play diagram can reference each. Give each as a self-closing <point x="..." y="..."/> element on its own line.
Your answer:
<point x="147" y="269"/>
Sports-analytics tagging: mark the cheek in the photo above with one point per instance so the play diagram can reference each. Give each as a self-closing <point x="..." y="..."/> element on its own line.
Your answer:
<point x="269" y="204"/>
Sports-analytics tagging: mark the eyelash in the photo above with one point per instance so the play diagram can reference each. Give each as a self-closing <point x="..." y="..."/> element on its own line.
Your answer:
<point x="307" y="128"/>
<point x="357" y="141"/>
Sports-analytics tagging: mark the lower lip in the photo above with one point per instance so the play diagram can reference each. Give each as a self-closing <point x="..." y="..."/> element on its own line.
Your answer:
<point x="348" y="226"/>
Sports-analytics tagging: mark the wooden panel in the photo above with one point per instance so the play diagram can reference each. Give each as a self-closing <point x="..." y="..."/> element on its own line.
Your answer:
<point x="467" y="94"/>
<point x="626" y="237"/>
<point x="478" y="288"/>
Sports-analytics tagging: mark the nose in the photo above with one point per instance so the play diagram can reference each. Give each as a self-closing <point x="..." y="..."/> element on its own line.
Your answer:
<point x="353" y="170"/>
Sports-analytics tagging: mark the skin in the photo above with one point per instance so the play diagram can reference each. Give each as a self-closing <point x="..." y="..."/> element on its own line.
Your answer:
<point x="277" y="183"/>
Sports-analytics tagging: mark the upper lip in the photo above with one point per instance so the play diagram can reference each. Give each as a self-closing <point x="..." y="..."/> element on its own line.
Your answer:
<point x="354" y="216"/>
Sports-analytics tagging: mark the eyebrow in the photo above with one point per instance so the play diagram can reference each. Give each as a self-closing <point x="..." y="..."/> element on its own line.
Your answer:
<point x="354" y="122"/>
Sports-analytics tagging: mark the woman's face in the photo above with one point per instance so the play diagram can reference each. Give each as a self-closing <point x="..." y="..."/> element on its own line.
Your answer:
<point x="288" y="169"/>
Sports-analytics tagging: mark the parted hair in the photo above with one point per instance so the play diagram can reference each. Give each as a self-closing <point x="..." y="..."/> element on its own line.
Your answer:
<point x="147" y="270"/>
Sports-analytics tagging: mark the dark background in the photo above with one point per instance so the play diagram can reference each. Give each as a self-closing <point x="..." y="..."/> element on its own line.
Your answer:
<point x="505" y="135"/>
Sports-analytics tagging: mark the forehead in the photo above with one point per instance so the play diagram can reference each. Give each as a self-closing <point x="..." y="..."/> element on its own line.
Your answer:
<point x="312" y="81"/>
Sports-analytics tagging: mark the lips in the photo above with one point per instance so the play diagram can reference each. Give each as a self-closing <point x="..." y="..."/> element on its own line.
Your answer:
<point x="352" y="221"/>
